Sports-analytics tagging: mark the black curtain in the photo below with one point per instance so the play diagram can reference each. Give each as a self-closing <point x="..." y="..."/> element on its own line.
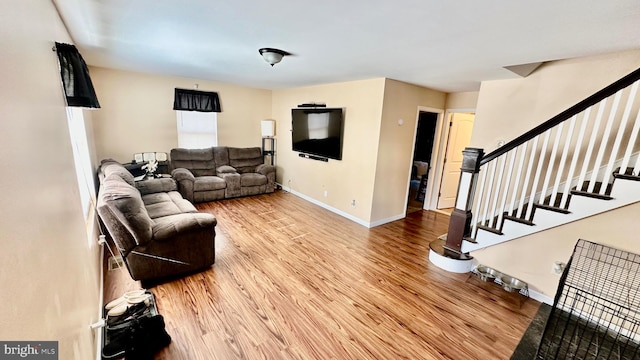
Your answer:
<point x="194" y="100"/>
<point x="78" y="87"/>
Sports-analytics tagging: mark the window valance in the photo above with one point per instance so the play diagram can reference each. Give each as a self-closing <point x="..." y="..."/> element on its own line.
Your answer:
<point x="195" y="100"/>
<point x="76" y="81"/>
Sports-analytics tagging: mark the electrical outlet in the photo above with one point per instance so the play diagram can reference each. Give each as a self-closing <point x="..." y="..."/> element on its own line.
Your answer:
<point x="353" y="202"/>
<point x="558" y="267"/>
<point x="326" y="193"/>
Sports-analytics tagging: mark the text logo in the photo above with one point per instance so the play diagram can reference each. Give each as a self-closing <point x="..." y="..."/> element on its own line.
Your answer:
<point x="32" y="350"/>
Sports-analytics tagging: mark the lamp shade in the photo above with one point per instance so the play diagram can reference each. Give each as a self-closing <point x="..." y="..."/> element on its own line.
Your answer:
<point x="268" y="128"/>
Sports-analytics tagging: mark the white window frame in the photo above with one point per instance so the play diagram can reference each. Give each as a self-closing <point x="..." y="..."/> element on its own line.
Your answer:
<point x="81" y="158"/>
<point x="197" y="130"/>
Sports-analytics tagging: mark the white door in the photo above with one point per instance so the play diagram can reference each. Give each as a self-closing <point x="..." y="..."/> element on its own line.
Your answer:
<point x="459" y="138"/>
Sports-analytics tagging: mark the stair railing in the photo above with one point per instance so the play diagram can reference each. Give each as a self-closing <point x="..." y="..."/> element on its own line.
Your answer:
<point x="576" y="149"/>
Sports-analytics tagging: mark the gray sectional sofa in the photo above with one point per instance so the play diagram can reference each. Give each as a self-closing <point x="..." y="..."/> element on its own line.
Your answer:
<point x="157" y="231"/>
<point x="221" y="172"/>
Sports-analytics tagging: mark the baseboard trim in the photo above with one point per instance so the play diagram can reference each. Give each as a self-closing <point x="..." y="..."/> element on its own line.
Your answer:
<point x="325" y="206"/>
<point x="98" y="331"/>
<point x="540" y="297"/>
<point x="387" y="220"/>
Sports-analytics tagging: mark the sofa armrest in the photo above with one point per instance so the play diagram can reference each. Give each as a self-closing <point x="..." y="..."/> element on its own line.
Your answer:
<point x="169" y="227"/>
<point x="184" y="178"/>
<point x="225" y="169"/>
<point x="156" y="185"/>
<point x="180" y="174"/>
<point x="265" y="169"/>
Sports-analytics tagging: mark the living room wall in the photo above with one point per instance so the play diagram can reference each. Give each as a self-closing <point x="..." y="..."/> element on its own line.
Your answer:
<point x="353" y="177"/>
<point x="395" y="149"/>
<point x="137" y="112"/>
<point x="50" y="277"/>
<point x="515" y="106"/>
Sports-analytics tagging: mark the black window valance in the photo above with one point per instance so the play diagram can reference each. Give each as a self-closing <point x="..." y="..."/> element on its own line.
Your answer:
<point x="76" y="81"/>
<point x="195" y="100"/>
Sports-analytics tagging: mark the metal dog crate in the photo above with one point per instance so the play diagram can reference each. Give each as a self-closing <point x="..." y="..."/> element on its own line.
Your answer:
<point x="596" y="311"/>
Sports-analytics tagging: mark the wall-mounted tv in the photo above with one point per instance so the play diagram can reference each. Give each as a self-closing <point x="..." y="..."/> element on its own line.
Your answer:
<point x="317" y="131"/>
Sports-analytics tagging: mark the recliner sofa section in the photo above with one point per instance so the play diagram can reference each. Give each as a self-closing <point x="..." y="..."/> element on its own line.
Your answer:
<point x="157" y="232"/>
<point x="221" y="172"/>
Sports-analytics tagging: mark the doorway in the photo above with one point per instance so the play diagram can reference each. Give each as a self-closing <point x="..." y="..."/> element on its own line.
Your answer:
<point x="459" y="137"/>
<point x="422" y="154"/>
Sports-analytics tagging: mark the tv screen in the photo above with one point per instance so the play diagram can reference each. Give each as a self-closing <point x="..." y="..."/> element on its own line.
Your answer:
<point x="317" y="132"/>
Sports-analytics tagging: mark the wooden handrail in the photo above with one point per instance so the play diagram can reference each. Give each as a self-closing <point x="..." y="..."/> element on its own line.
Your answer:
<point x="563" y="116"/>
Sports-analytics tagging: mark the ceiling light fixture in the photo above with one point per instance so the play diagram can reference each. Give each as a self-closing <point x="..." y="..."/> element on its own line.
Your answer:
<point x="272" y="56"/>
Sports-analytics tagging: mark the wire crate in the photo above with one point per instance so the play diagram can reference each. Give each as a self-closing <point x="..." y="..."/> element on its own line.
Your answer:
<point x="596" y="311"/>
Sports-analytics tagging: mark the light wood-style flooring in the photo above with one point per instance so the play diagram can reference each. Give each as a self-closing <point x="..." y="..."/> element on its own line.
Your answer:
<point x="295" y="281"/>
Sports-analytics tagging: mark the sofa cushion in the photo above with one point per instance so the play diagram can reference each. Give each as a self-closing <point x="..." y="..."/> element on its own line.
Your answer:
<point x="221" y="155"/>
<point x="207" y="183"/>
<point x="245" y="159"/>
<point x="126" y="204"/>
<point x="165" y="204"/>
<point x="252" y="179"/>
<point x="199" y="161"/>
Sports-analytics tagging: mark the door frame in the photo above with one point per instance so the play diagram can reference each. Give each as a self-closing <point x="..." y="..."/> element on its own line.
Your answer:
<point x="434" y="153"/>
<point x="434" y="187"/>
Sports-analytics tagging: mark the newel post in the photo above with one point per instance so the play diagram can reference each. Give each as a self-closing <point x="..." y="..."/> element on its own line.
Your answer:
<point x="460" y="222"/>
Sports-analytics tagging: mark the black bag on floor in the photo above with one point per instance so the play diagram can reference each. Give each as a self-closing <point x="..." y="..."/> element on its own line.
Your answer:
<point x="148" y="336"/>
<point x="139" y="340"/>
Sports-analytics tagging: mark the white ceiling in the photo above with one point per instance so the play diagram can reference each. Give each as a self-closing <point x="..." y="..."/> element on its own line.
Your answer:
<point x="445" y="45"/>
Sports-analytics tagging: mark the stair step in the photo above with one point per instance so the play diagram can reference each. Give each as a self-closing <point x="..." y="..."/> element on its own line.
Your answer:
<point x="626" y="177"/>
<point x="519" y="220"/>
<point x="490" y="229"/>
<point x="591" y="195"/>
<point x="469" y="239"/>
<point x="552" y="208"/>
<point x="449" y="260"/>
<point x="596" y="188"/>
<point x="629" y="171"/>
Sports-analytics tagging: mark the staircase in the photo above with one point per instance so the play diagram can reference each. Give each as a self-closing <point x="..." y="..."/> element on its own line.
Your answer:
<point x="584" y="161"/>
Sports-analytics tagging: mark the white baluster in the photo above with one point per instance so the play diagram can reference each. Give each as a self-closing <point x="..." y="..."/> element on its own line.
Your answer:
<point x="574" y="160"/>
<point x="603" y="145"/>
<point x="516" y="185"/>
<point x="563" y="159"/>
<point x="616" y="143"/>
<point x="592" y="143"/>
<point x="632" y="141"/>
<point x="536" y="178"/>
<point x="512" y="159"/>
<point x="498" y="191"/>
<point x="485" y="219"/>
<point x="479" y="201"/>
<point x="552" y="161"/>
<point x="532" y="157"/>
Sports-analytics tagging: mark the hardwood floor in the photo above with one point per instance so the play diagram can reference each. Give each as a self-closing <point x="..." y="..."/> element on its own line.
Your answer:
<point x="295" y="281"/>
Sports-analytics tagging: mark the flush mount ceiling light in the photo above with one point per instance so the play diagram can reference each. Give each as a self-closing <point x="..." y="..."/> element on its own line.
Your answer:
<point x="272" y="56"/>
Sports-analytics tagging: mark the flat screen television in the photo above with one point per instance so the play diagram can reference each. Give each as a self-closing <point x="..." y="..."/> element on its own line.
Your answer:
<point x="318" y="131"/>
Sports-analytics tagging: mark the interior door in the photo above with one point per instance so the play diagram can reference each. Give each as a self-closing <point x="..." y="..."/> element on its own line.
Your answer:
<point x="459" y="138"/>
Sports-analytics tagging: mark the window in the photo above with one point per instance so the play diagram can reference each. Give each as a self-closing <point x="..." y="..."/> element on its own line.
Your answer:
<point x="84" y="171"/>
<point x="197" y="130"/>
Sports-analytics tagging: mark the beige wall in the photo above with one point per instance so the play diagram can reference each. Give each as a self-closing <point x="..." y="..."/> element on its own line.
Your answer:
<point x="395" y="149"/>
<point x="137" y="112"/>
<point x="515" y="106"/>
<point x="49" y="276"/>
<point x="531" y="258"/>
<point x="462" y="100"/>
<point x="352" y="178"/>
